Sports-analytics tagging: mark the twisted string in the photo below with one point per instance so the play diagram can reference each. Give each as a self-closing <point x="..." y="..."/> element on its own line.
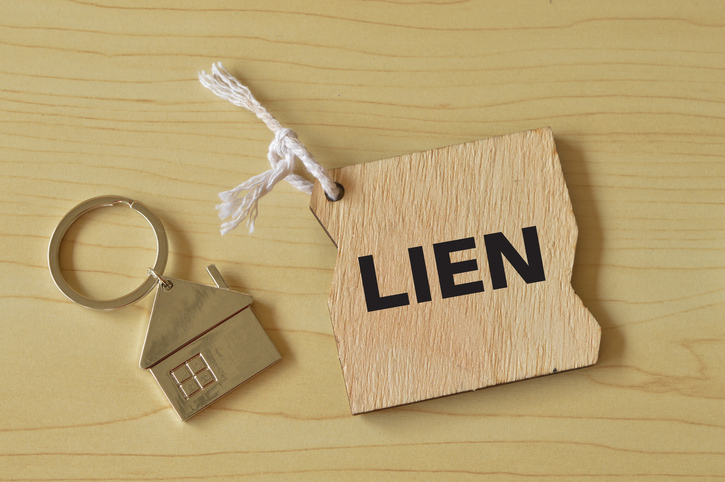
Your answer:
<point x="284" y="150"/>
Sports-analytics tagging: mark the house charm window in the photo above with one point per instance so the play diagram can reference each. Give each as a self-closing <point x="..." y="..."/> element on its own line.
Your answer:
<point x="192" y="376"/>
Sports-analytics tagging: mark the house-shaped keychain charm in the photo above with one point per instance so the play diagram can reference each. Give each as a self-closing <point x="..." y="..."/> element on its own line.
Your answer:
<point x="202" y="342"/>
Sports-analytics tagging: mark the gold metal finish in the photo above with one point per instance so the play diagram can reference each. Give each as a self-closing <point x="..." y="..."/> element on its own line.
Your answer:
<point x="162" y="251"/>
<point x="184" y="313"/>
<point x="217" y="277"/>
<point x="202" y="342"/>
<point x="232" y="353"/>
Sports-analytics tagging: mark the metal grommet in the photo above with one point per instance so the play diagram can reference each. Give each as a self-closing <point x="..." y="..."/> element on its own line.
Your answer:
<point x="162" y="252"/>
<point x="342" y="193"/>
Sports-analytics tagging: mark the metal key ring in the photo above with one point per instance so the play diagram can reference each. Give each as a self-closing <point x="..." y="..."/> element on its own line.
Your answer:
<point x="162" y="252"/>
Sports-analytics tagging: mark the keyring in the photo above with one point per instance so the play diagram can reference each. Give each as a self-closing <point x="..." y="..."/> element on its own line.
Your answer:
<point x="201" y="342"/>
<point x="162" y="252"/>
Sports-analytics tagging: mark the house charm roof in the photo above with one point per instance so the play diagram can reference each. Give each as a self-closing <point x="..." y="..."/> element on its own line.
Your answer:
<point x="202" y="342"/>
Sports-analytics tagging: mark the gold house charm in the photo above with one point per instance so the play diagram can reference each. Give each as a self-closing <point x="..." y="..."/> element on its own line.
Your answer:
<point x="202" y="342"/>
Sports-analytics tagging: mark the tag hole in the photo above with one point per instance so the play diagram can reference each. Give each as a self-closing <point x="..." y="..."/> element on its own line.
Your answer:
<point x="167" y="286"/>
<point x="342" y="193"/>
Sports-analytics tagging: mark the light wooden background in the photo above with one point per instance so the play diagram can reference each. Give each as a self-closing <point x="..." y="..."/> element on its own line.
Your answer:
<point x="101" y="98"/>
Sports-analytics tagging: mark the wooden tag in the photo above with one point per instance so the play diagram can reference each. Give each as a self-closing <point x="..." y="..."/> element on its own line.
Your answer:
<point x="453" y="271"/>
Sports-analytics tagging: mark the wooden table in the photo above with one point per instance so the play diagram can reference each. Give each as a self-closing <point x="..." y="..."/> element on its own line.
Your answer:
<point x="103" y="98"/>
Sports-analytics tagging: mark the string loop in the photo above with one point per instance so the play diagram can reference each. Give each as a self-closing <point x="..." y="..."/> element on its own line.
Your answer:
<point x="284" y="150"/>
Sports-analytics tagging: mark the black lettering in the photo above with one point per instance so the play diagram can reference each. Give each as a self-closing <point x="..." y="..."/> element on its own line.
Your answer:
<point x="497" y="246"/>
<point x="370" y="287"/>
<point x="420" y="274"/>
<point x="446" y="269"/>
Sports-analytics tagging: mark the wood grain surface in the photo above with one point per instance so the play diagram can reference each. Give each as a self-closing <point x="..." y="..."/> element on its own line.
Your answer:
<point x="102" y="98"/>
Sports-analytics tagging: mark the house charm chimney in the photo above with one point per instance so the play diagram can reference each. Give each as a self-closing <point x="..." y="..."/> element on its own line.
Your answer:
<point x="202" y="342"/>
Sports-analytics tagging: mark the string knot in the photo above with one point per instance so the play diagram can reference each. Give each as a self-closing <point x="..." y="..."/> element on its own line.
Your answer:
<point x="281" y="145"/>
<point x="284" y="151"/>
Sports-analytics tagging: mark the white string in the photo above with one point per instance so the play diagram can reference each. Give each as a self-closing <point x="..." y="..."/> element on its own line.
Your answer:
<point x="284" y="150"/>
